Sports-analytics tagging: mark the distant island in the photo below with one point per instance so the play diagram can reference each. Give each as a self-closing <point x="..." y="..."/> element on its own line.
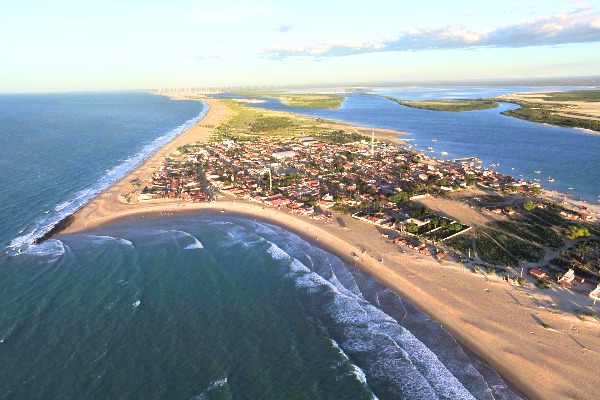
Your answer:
<point x="447" y="105"/>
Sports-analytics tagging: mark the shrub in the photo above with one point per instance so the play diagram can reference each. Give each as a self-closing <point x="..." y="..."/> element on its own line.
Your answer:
<point x="575" y="231"/>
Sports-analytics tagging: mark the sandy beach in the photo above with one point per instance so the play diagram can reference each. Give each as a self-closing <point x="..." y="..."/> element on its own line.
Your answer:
<point x="532" y="339"/>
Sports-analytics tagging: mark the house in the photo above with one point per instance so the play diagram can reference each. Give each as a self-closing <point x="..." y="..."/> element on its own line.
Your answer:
<point x="284" y="154"/>
<point x="568" y="277"/>
<point x="595" y="294"/>
<point x="538" y="274"/>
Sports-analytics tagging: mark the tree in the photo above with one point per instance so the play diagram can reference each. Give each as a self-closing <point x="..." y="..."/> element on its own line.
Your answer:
<point x="412" y="228"/>
<point x="575" y="231"/>
<point x="529" y="205"/>
<point x="536" y="190"/>
<point x="398" y="197"/>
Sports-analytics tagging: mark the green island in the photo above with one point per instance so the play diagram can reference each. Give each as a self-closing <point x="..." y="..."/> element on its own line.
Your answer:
<point x="328" y="101"/>
<point x="448" y="105"/>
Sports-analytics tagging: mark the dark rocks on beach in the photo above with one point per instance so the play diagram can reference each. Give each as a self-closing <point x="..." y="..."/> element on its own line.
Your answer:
<point x="60" y="226"/>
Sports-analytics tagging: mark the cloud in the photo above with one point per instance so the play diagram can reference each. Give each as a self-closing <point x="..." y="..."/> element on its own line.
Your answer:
<point x="205" y="57"/>
<point x="284" y="28"/>
<point x="556" y="29"/>
<point x="582" y="6"/>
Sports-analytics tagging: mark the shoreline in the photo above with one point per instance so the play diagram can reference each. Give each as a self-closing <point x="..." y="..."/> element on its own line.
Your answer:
<point x="482" y="314"/>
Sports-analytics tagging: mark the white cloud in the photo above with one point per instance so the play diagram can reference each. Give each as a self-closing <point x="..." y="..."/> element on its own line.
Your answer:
<point x="576" y="27"/>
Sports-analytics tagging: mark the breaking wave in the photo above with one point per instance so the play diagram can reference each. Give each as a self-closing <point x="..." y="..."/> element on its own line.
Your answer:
<point x="47" y="221"/>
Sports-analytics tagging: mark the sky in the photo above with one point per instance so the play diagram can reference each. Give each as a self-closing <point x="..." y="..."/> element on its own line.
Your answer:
<point x="69" y="45"/>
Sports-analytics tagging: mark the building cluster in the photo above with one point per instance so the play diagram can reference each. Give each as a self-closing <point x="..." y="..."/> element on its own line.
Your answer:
<point x="309" y="177"/>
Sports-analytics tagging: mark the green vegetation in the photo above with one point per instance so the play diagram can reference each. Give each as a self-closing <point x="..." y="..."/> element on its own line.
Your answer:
<point x="448" y="105"/>
<point x="490" y="252"/>
<point x="339" y="136"/>
<point x="547" y="114"/>
<point x="542" y="284"/>
<point x="532" y="232"/>
<point x="329" y="101"/>
<point x="576" y="231"/>
<point x="398" y="197"/>
<point x="300" y="100"/>
<point x="586" y="315"/>
<point x="574" y="95"/>
<point x="247" y="123"/>
<point x="529" y="205"/>
<point x="271" y="124"/>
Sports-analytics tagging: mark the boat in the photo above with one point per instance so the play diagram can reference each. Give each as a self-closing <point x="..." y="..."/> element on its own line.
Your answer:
<point x="444" y="153"/>
<point x="550" y="179"/>
<point x="537" y="172"/>
<point x="430" y="148"/>
<point x="434" y="140"/>
<point x="137" y="303"/>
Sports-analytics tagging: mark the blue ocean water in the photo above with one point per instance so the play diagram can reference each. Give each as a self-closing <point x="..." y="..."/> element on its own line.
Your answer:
<point x="516" y="147"/>
<point x="60" y="150"/>
<point x="201" y="306"/>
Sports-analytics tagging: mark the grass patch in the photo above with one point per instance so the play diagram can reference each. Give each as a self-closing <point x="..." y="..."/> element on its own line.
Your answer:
<point x="522" y="250"/>
<point x="536" y="233"/>
<point x="461" y="244"/>
<point x="490" y="252"/>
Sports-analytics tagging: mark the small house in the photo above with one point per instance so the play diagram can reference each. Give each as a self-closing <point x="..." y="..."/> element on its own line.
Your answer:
<point x="595" y="294"/>
<point x="538" y="274"/>
<point x="568" y="277"/>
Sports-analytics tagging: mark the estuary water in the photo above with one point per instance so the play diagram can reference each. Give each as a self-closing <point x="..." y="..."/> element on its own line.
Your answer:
<point x="203" y="306"/>
<point x="516" y="147"/>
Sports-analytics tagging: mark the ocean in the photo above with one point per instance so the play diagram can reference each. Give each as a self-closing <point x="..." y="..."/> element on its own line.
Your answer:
<point x="202" y="306"/>
<point x="515" y="147"/>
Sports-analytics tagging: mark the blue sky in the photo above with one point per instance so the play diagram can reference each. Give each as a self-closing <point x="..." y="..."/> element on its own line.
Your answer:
<point x="64" y="45"/>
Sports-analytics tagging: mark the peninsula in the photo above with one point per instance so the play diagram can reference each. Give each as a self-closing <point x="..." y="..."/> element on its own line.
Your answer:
<point x="451" y="237"/>
<point x="573" y="108"/>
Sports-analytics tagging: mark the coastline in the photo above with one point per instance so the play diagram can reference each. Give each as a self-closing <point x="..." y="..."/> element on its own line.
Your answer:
<point x="495" y="320"/>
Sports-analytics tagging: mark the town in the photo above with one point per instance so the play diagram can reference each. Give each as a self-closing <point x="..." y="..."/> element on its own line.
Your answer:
<point x="373" y="181"/>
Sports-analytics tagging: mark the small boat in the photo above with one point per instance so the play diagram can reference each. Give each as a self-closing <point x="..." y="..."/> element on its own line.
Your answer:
<point x="550" y="179"/>
<point x="430" y="148"/>
<point x="137" y="303"/>
<point x="444" y="153"/>
<point x="537" y="172"/>
<point x="434" y="140"/>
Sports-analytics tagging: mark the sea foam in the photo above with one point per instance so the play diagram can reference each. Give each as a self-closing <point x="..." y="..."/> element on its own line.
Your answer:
<point x="46" y="222"/>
